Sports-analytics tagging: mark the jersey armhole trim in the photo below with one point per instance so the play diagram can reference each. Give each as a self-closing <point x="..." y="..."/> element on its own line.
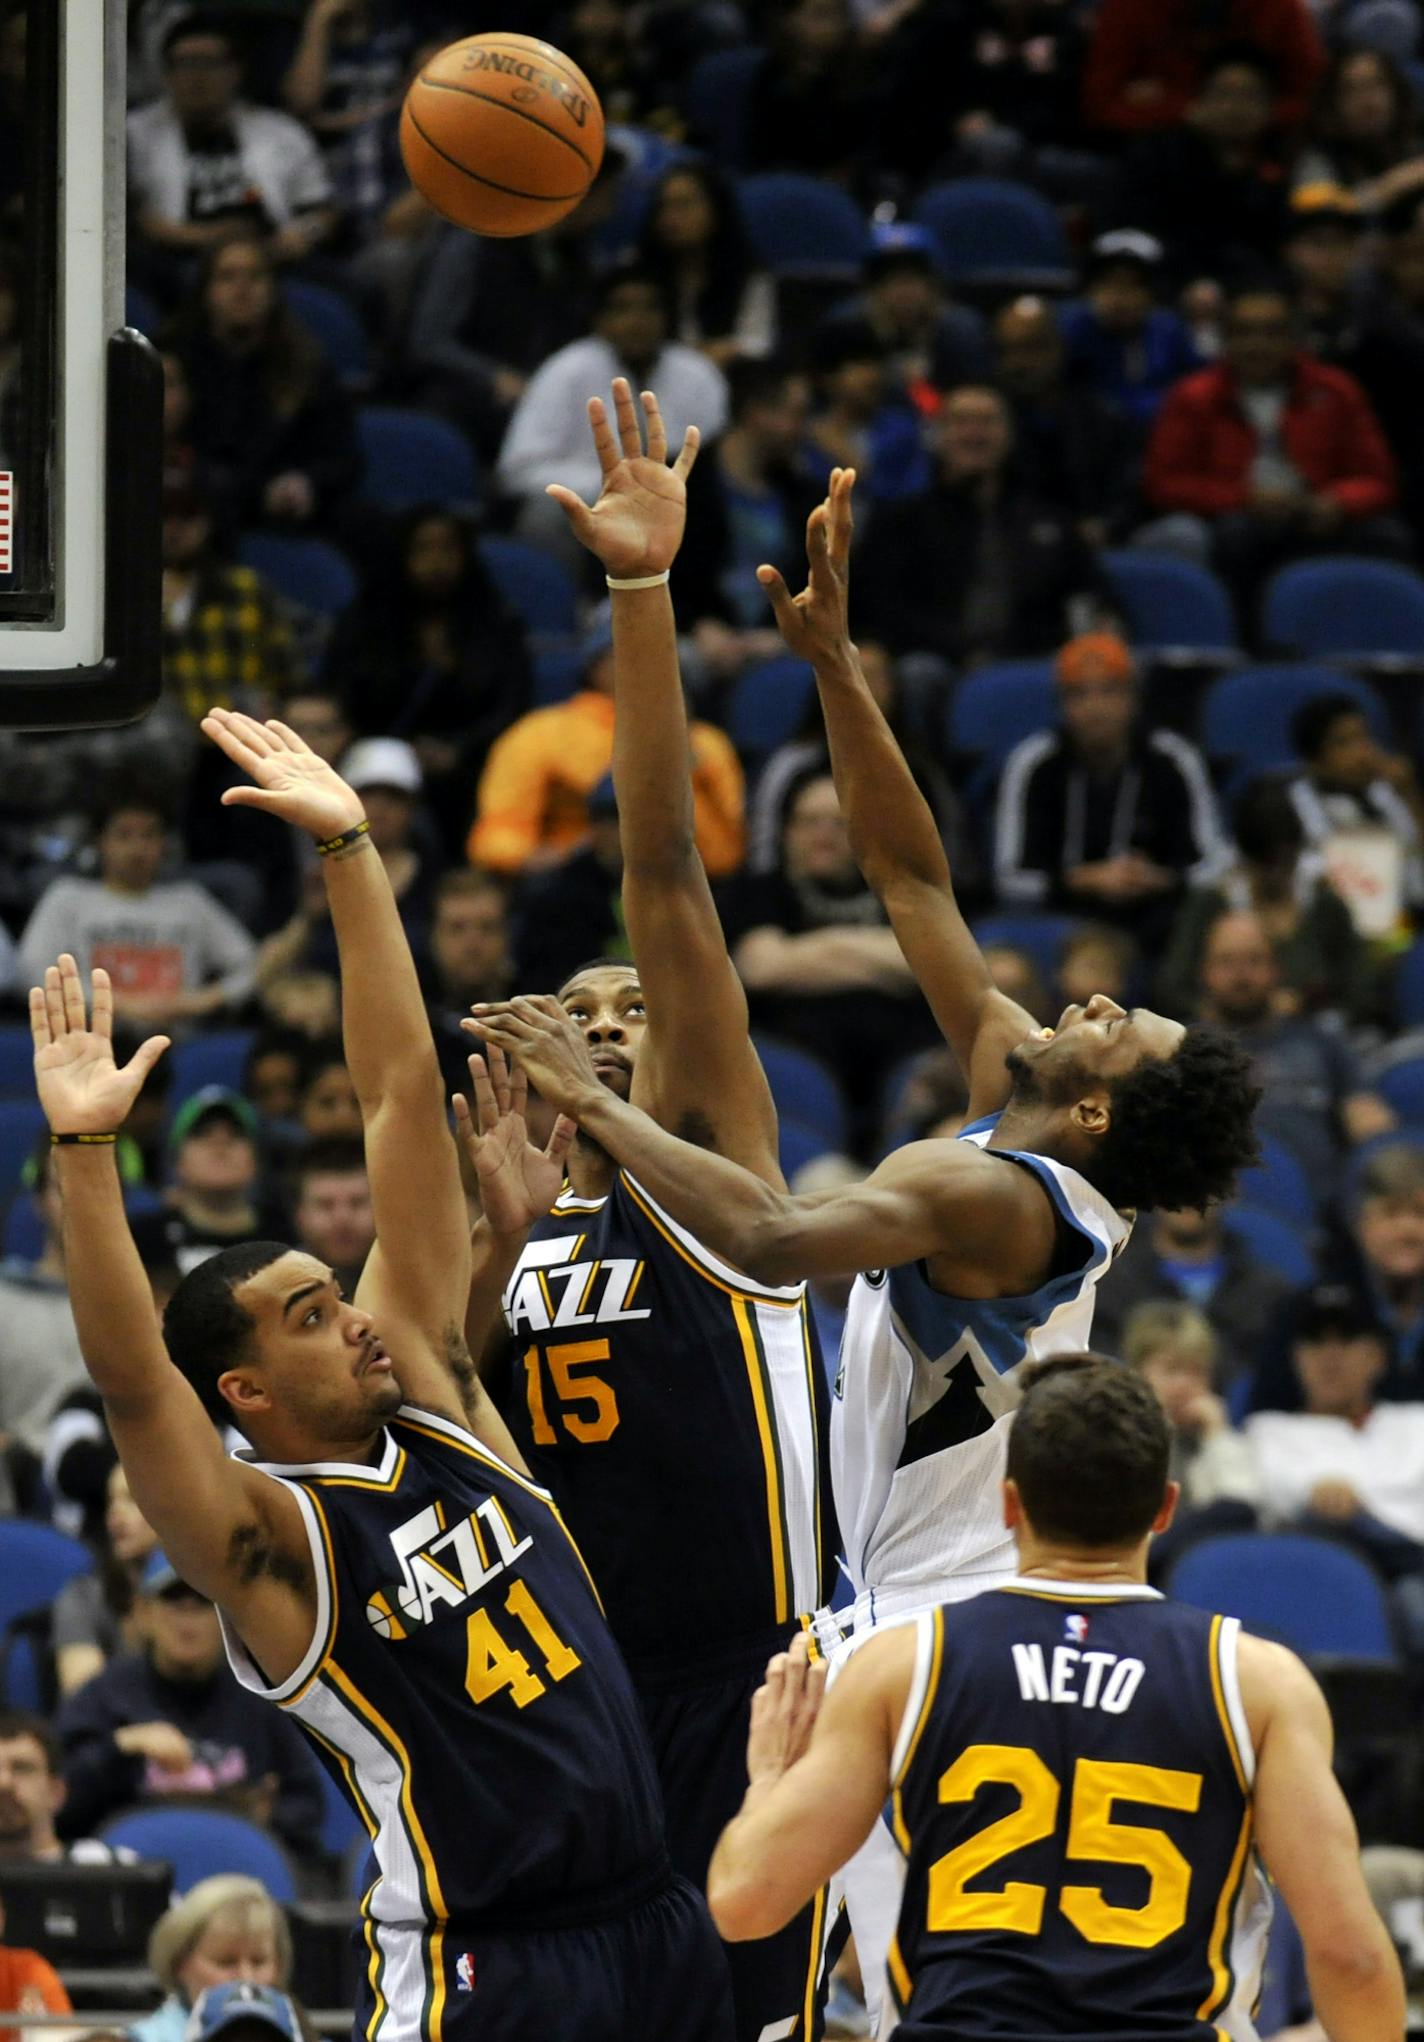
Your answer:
<point x="929" y="1628"/>
<point x="1226" y="1648"/>
<point x="244" y="1666"/>
<point x="708" y="1265"/>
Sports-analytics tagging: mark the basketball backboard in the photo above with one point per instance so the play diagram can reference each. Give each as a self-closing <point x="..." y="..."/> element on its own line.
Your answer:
<point x="80" y="395"/>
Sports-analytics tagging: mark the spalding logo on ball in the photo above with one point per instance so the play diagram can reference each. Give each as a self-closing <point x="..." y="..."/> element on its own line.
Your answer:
<point x="502" y="134"/>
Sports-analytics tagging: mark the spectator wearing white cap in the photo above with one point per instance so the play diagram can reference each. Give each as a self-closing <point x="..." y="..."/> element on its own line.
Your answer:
<point x="1121" y="341"/>
<point x="386" y="773"/>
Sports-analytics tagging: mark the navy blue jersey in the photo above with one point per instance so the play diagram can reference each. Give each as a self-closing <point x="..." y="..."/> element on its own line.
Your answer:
<point x="1072" y="1793"/>
<point x="463" y="1685"/>
<point x="678" y="1413"/>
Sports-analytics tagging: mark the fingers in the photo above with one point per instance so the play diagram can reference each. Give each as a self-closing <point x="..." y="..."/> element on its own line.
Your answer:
<point x="499" y="1079"/>
<point x="249" y="797"/>
<point x="72" y="993"/>
<point x="561" y="1138"/>
<point x="691" y="441"/>
<point x="657" y="431"/>
<point x="54" y="1003"/>
<point x="842" y="518"/>
<point x="103" y="1003"/>
<point x="818" y="534"/>
<point x="486" y="1112"/>
<point x="782" y="605"/>
<point x="574" y="509"/>
<point x="219" y="726"/>
<point x="464" y="1127"/>
<point x="146" y="1056"/>
<point x="519" y="1091"/>
<point x="254" y="734"/>
<point x="627" y="415"/>
<point x="287" y="736"/>
<point x="39" y="1019"/>
<point x="604" y="444"/>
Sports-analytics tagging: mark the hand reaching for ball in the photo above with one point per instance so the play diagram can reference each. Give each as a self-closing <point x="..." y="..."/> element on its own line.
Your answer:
<point x="635" y="528"/>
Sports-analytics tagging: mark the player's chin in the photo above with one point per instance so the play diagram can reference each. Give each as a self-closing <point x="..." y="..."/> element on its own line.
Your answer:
<point x="615" y="1078"/>
<point x="384" y="1397"/>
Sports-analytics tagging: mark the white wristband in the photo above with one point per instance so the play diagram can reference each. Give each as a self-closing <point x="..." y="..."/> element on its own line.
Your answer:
<point x="639" y="580"/>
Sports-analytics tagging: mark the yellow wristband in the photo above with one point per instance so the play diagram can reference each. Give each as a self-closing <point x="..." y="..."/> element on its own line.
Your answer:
<point x="83" y="1141"/>
<point x="345" y="840"/>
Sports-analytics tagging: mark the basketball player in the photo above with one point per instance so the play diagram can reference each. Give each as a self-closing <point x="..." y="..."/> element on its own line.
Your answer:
<point x="1085" y="1779"/>
<point x="383" y="1566"/>
<point x="972" y="1254"/>
<point x="676" y="1408"/>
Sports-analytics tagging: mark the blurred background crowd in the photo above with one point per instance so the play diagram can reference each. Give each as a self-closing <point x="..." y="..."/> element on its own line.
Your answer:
<point x="1118" y="312"/>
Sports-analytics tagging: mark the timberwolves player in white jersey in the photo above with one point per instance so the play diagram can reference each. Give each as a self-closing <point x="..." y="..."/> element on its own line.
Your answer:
<point x="972" y="1254"/>
<point x="1108" y="1769"/>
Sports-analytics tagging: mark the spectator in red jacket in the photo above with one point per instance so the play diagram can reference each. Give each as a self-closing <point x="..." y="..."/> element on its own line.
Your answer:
<point x="1269" y="454"/>
<point x="1147" y="59"/>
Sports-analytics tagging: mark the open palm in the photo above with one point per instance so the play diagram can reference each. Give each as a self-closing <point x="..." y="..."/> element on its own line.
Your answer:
<point x="289" y="779"/>
<point x="815" y="623"/>
<point x="81" y="1088"/>
<point x="636" y="526"/>
<point x="517" y="1181"/>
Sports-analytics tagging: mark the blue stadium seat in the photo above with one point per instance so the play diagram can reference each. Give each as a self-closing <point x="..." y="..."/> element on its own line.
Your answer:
<point x="1279" y="1184"/>
<point x="535" y="584"/>
<point x="798" y="1145"/>
<point x="558" y="673"/>
<point x="35" y="1563"/>
<point x="1308" y="1593"/>
<point x="1402" y="1084"/>
<point x="1042" y="936"/>
<point x="994" y="709"/>
<point x="804" y="1090"/>
<point x="715" y="101"/>
<point x="341" y="1827"/>
<point x="412" y="458"/>
<point x="307" y="571"/>
<point x="1272" y="1241"/>
<point x="21" y="1125"/>
<point x="799" y="226"/>
<point x="768" y="705"/>
<point x="140" y="311"/>
<point x="335" y="322"/>
<point x="17" y="1063"/>
<point x="24" y="1228"/>
<point x="1172" y="606"/>
<point x="989" y="231"/>
<point x="1247" y="716"/>
<point x="200" y="1842"/>
<point x="1409" y="986"/>
<point x="216" y="1059"/>
<point x="1344" y="608"/>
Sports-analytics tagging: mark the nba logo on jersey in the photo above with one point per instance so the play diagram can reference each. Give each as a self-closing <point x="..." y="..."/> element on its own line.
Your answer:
<point x="465" y="1971"/>
<point x="1076" y="1628"/>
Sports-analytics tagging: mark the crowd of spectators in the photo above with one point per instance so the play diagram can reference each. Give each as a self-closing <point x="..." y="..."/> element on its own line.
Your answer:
<point x="1222" y="371"/>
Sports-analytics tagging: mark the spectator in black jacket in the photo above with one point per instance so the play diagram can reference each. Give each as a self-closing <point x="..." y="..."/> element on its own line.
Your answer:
<point x="1072" y="449"/>
<point x="1104" y="816"/>
<point x="902" y="313"/>
<point x="171" y="1720"/>
<point x="809" y="107"/>
<point x="977" y="567"/>
<point x="1191" y="1258"/>
<point x="270" y="422"/>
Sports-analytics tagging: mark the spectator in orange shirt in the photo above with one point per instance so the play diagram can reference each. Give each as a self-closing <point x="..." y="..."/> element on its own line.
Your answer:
<point x="28" y="1985"/>
<point x="533" y="799"/>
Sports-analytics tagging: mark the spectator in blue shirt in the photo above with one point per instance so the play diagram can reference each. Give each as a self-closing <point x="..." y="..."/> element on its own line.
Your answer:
<point x="1121" y="342"/>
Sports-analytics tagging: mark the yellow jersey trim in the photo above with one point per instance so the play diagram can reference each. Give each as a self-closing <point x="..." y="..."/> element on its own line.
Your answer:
<point x="813" y="1962"/>
<point x="1218" y="1695"/>
<point x="900" y="1982"/>
<point x="332" y="1603"/>
<point x="749" y="1290"/>
<point x="1221" y="1973"/>
<point x="359" y="1482"/>
<point x="780" y="1558"/>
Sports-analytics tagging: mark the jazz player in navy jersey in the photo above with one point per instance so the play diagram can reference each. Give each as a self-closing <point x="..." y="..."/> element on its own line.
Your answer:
<point x="676" y="1407"/>
<point x="1086" y="1780"/>
<point x="972" y="1255"/>
<point x="383" y="1566"/>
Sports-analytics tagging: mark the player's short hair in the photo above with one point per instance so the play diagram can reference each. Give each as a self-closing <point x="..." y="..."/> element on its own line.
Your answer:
<point x="1089" y="1451"/>
<point x="1314" y="720"/>
<point x="205" y="1329"/>
<point x="1181" y="1127"/>
<point x="22" y="1723"/>
<point x="623" y="964"/>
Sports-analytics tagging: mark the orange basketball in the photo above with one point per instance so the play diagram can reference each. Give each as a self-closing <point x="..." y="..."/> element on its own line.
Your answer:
<point x="502" y="134"/>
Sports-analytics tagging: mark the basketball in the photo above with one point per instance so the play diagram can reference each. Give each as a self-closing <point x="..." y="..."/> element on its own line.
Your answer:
<point x="501" y="134"/>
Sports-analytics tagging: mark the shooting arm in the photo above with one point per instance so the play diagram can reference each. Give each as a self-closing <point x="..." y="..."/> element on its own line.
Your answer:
<point x="492" y="1263"/>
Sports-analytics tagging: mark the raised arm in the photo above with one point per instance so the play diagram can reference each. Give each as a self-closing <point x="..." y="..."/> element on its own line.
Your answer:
<point x="1306" y="1836"/>
<point x="987" y="1227"/>
<point x="892" y="830"/>
<point x="211" y="1513"/>
<point x="697" y="1072"/>
<point x="417" y="1278"/>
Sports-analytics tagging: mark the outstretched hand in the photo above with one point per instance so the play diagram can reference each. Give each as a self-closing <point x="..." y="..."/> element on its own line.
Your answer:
<point x="518" y="1183"/>
<point x="535" y="1033"/>
<point x="635" y="527"/>
<point x="291" y="781"/>
<point x="81" y="1088"/>
<point x="784" y="1712"/>
<point x="816" y="624"/>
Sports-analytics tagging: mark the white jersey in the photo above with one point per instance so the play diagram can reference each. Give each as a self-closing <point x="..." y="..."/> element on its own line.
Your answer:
<point x="923" y="1398"/>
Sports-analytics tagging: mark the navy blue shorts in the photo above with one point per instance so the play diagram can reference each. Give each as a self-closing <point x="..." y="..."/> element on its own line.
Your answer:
<point x="655" y="1974"/>
<point x="699" y="1737"/>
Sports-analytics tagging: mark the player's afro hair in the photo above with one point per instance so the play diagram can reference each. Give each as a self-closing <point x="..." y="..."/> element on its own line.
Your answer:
<point x="1181" y="1127"/>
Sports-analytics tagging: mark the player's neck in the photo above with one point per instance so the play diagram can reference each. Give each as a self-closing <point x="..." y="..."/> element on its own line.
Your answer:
<point x="1041" y="1560"/>
<point x="591" y="1168"/>
<point x="1030" y="1126"/>
<point x="294" y="1447"/>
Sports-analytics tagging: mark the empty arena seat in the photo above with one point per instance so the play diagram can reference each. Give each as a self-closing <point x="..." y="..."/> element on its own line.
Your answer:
<point x="1346" y="608"/>
<point x="1247" y="716"/>
<point x="1172" y="606"/>
<point x="21" y="1125"/>
<point x="335" y="322"/>
<point x="989" y="231"/>
<point x="412" y="458"/>
<point x="201" y="1842"/>
<point x="804" y="1090"/>
<point x="994" y="709"/>
<point x="1042" y="936"/>
<point x="216" y="1059"/>
<point x="311" y="572"/>
<point x="799" y="226"/>
<point x="715" y="101"/>
<point x="534" y="584"/>
<point x="1308" y="1593"/>
<point x="1272" y="1240"/>
<point x="17" y="1062"/>
<point x="768" y="705"/>
<point x="1402" y="1085"/>
<point x="1279" y="1184"/>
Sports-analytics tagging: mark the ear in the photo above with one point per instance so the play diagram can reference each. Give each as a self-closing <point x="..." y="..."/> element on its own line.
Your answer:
<point x="1092" y="1114"/>
<point x="1013" y="1505"/>
<point x="244" y="1391"/>
<point x="1171" y="1498"/>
